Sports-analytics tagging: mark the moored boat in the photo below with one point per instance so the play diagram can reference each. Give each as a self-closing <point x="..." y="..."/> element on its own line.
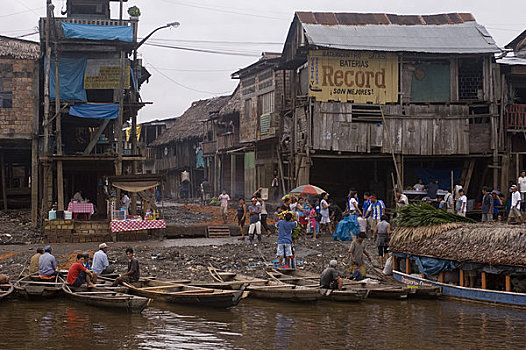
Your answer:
<point x="33" y="287"/>
<point x="178" y="293"/>
<point x="444" y="256"/>
<point x="108" y="299"/>
<point x="6" y="290"/>
<point x="285" y="292"/>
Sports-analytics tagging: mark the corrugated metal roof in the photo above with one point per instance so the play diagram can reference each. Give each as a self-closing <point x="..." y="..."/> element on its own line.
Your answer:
<point x="332" y="18"/>
<point x="462" y="38"/>
<point x="512" y="61"/>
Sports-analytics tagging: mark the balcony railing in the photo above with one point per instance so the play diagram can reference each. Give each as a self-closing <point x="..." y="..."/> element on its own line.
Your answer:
<point x="94" y="21"/>
<point x="228" y="141"/>
<point x="516" y="116"/>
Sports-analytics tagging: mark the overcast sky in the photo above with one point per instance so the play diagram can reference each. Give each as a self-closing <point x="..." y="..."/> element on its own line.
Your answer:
<point x="237" y="31"/>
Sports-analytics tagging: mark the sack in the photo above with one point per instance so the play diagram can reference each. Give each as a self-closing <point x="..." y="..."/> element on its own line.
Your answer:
<point x="388" y="269"/>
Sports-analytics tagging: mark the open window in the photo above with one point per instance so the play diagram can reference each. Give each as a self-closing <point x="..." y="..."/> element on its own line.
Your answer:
<point x="470" y="78"/>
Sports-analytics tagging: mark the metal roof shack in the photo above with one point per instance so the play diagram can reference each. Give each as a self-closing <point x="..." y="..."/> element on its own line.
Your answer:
<point x="451" y="33"/>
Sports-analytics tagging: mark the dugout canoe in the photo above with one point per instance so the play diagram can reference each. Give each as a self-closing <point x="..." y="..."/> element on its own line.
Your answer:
<point x="294" y="293"/>
<point x="107" y="299"/>
<point x="229" y="281"/>
<point x="178" y="293"/>
<point x="6" y="290"/>
<point x="34" y="287"/>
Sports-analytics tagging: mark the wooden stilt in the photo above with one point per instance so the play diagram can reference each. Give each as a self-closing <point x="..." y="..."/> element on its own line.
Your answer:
<point x="461" y="278"/>
<point x="483" y="280"/>
<point x="60" y="186"/>
<point x="4" y="187"/>
<point x="508" y="284"/>
<point x="394" y="263"/>
<point x="441" y="277"/>
<point x="407" y="266"/>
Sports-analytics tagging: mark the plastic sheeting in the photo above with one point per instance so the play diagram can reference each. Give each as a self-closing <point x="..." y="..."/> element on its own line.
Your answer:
<point x="96" y="32"/>
<point x="95" y="111"/>
<point x="135" y="186"/>
<point x="71" y="78"/>
<point x="432" y="266"/>
<point x="348" y="225"/>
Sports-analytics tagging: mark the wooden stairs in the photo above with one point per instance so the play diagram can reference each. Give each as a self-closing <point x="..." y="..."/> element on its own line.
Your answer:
<point x="218" y="231"/>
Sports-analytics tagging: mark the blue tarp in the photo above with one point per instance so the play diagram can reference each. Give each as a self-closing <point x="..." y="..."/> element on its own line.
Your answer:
<point x="71" y="78"/>
<point x="348" y="225"/>
<point x="431" y="266"/>
<point x="442" y="175"/>
<point x="96" y="32"/>
<point x="95" y="111"/>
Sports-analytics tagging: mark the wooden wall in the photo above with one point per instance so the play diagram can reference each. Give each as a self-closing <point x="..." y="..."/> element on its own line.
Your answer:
<point x="420" y="130"/>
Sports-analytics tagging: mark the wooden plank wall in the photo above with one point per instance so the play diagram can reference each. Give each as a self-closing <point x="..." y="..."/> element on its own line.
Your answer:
<point x="423" y="130"/>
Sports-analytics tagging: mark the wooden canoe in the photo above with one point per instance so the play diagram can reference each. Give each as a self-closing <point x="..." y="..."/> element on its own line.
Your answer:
<point x="376" y="290"/>
<point x="229" y="281"/>
<point x="33" y="287"/>
<point x="285" y="292"/>
<point x="177" y="293"/>
<point x="6" y="290"/>
<point x="108" y="299"/>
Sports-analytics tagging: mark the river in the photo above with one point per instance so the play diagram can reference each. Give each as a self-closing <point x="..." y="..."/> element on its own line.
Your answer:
<point x="253" y="324"/>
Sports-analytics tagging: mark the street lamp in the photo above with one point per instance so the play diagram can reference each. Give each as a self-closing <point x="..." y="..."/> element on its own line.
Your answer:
<point x="169" y="25"/>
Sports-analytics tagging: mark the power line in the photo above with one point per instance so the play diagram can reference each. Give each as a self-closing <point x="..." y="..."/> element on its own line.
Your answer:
<point x="198" y="70"/>
<point x="20" y="12"/>
<point x="184" y="86"/>
<point x="226" y="11"/>
<point x="220" y="42"/>
<point x="28" y="34"/>
<point x="219" y="52"/>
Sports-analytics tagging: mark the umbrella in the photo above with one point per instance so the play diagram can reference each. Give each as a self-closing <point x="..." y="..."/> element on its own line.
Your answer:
<point x="304" y="190"/>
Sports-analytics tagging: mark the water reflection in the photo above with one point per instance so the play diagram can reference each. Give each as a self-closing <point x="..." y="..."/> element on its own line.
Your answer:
<point x="60" y="324"/>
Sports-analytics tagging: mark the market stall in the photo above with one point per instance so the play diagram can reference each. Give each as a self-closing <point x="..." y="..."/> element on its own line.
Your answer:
<point x="150" y="217"/>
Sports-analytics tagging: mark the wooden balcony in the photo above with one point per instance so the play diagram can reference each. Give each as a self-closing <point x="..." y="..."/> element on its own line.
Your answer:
<point x="209" y="147"/>
<point x="516" y="117"/>
<point x="227" y="141"/>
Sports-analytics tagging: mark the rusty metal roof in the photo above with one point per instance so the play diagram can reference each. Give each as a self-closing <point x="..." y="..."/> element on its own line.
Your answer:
<point x="331" y="18"/>
<point x="453" y="33"/>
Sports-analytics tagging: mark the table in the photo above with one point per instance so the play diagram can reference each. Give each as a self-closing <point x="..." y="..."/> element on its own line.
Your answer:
<point x="83" y="208"/>
<point x="136" y="225"/>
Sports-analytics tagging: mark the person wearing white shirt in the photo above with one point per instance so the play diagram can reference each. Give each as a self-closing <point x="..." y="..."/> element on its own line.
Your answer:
<point x="521" y="181"/>
<point x="419" y="186"/>
<point x="515" y="205"/>
<point x="401" y="199"/>
<point x="462" y="206"/>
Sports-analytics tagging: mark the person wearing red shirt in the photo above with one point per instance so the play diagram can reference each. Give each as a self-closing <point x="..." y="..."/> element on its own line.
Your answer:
<point x="78" y="274"/>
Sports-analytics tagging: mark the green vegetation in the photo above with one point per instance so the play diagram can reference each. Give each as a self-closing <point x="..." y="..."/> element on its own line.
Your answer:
<point x="417" y="215"/>
<point x="134" y="11"/>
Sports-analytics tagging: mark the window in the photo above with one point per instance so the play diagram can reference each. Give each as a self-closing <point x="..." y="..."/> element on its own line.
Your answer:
<point x="6" y="93"/>
<point x="470" y="79"/>
<point x="248" y="107"/>
<point x="266" y="103"/>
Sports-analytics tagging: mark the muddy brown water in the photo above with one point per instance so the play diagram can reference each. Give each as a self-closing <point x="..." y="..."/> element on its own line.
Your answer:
<point x="254" y="324"/>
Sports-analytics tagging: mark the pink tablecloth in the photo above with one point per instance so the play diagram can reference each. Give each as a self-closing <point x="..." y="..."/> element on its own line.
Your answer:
<point x="86" y="208"/>
<point x="136" y="225"/>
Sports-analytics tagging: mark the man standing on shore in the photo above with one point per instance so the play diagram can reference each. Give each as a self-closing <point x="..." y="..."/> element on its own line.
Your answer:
<point x="487" y="205"/>
<point x="356" y="252"/>
<point x="375" y="210"/>
<point x="224" y="199"/>
<point x="515" y="205"/>
<point x="255" y="224"/>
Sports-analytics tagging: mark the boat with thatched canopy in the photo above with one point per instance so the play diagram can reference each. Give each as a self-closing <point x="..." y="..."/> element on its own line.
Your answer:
<point x="478" y="262"/>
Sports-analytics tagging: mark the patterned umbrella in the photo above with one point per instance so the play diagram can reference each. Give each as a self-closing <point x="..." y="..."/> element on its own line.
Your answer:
<point x="304" y="190"/>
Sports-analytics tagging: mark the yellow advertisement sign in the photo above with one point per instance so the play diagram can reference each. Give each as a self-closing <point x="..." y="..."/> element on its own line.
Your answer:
<point x="105" y="74"/>
<point x="353" y="76"/>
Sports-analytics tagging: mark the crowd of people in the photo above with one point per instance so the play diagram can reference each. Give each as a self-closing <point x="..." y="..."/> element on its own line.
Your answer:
<point x="85" y="270"/>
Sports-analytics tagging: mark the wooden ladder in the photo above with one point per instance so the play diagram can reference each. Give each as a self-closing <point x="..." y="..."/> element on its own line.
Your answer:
<point x="218" y="231"/>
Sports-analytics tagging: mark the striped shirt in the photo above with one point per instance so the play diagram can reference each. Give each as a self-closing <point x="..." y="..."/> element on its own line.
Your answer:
<point x="376" y="209"/>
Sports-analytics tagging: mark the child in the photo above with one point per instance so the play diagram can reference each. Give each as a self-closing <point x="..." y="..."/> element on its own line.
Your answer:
<point x="363" y="224"/>
<point x="313" y="224"/>
<point x="285" y="228"/>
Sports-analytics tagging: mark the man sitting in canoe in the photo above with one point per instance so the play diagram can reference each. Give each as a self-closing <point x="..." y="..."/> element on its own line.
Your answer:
<point x="133" y="273"/>
<point x="285" y="228"/>
<point x="47" y="265"/>
<point x="100" y="262"/>
<point x="33" y="264"/>
<point x="78" y="274"/>
<point x="330" y="277"/>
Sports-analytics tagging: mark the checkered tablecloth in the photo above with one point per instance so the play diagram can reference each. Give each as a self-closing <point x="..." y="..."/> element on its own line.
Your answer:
<point x="86" y="208"/>
<point x="136" y="225"/>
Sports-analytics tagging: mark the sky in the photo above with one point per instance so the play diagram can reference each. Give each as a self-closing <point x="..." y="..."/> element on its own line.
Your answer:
<point x="217" y="37"/>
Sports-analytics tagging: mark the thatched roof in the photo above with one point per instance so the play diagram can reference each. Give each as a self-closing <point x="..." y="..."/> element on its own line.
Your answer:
<point x="189" y="125"/>
<point x="18" y="48"/>
<point x="493" y="244"/>
<point x="234" y="103"/>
